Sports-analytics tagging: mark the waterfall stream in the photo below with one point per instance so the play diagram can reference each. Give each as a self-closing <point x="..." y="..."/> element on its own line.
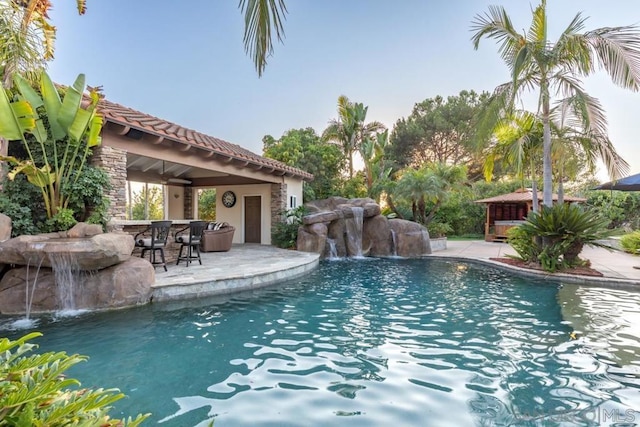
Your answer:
<point x="394" y="244"/>
<point x="354" y="232"/>
<point x="67" y="278"/>
<point x="333" y="251"/>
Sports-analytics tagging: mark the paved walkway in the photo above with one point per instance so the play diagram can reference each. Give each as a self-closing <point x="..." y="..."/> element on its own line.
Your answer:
<point x="616" y="266"/>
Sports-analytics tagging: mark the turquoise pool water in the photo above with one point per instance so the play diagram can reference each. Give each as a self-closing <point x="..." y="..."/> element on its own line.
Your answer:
<point x="372" y="343"/>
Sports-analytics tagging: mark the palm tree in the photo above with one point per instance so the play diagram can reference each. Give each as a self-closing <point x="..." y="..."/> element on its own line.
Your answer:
<point x="376" y="170"/>
<point x="350" y="129"/>
<point x="27" y="38"/>
<point x="556" y="68"/>
<point x="572" y="146"/>
<point x="431" y="183"/>
<point x="518" y="142"/>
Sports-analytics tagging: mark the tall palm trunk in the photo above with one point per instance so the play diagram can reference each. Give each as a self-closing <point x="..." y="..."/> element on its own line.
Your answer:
<point x="534" y="195"/>
<point x="547" y="179"/>
<point x="534" y="188"/>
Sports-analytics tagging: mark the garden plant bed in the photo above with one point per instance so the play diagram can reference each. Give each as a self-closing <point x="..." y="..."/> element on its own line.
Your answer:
<point x="577" y="271"/>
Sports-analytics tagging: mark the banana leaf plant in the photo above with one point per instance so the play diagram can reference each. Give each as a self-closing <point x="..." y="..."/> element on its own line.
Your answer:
<point x="66" y="129"/>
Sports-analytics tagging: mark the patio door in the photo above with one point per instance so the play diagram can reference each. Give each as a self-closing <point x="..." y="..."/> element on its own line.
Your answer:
<point x="252" y="219"/>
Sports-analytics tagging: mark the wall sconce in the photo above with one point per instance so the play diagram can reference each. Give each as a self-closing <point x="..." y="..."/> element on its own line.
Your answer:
<point x="176" y="196"/>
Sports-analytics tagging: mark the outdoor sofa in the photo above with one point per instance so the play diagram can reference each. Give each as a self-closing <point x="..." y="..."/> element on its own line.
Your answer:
<point x="217" y="237"/>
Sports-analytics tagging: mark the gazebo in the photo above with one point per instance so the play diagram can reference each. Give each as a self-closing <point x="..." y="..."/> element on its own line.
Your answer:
<point x="509" y="210"/>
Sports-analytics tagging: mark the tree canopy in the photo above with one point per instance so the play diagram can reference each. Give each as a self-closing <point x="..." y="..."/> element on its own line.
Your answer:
<point x="304" y="149"/>
<point x="439" y="130"/>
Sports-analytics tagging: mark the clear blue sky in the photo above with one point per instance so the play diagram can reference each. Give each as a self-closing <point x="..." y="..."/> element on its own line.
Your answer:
<point x="184" y="61"/>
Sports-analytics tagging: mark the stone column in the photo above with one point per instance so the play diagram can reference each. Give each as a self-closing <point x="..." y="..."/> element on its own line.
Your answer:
<point x="278" y="203"/>
<point x="188" y="202"/>
<point x="114" y="162"/>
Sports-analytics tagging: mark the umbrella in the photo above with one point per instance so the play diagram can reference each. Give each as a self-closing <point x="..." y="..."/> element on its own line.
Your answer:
<point x="630" y="183"/>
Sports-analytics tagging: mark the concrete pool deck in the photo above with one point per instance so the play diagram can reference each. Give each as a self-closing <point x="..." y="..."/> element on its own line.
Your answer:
<point x="244" y="267"/>
<point x="617" y="267"/>
<point x="251" y="266"/>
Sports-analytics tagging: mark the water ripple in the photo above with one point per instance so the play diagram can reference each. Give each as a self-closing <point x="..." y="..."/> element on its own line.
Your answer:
<point x="405" y="342"/>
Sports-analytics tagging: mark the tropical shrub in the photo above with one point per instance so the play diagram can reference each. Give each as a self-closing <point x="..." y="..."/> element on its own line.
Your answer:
<point x="35" y="392"/>
<point x="354" y="188"/>
<point x="285" y="233"/>
<point x="631" y="242"/>
<point x="50" y="120"/>
<point x="86" y="195"/>
<point x="558" y="235"/>
<point x="20" y="201"/>
<point x="523" y="242"/>
<point x="620" y="208"/>
<point x="61" y="221"/>
<point x="438" y="229"/>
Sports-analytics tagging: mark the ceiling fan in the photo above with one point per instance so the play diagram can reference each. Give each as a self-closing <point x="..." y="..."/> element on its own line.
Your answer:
<point x="172" y="180"/>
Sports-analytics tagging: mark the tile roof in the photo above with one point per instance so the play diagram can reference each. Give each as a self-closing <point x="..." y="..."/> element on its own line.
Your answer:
<point x="126" y="116"/>
<point x="525" y="195"/>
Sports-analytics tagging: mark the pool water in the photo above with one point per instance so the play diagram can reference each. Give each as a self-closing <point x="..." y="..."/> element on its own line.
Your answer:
<point x="371" y="343"/>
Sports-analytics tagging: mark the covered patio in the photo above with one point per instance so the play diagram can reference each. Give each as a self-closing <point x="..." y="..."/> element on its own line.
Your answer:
<point x="137" y="147"/>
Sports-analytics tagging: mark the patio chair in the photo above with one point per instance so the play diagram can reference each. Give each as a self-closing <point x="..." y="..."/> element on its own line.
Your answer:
<point x="218" y="237"/>
<point x="189" y="239"/>
<point x="154" y="239"/>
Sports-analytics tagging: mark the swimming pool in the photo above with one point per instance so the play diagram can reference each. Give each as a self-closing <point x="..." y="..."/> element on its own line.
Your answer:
<point x="371" y="342"/>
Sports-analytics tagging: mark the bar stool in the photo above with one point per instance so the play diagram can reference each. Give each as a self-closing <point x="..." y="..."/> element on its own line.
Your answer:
<point x="189" y="238"/>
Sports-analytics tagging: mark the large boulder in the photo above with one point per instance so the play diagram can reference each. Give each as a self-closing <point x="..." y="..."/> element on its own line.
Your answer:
<point x="333" y="204"/>
<point x="412" y="239"/>
<point x="376" y="236"/>
<point x="354" y="227"/>
<point x="312" y="238"/>
<point x="337" y="231"/>
<point x="123" y="285"/>
<point x="85" y="253"/>
<point x="5" y="227"/>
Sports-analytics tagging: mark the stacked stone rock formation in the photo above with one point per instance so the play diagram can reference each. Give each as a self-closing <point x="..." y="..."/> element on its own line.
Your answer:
<point x="327" y="222"/>
<point x="111" y="278"/>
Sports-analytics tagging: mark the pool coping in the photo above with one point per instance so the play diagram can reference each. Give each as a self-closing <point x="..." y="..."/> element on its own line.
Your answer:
<point x="611" y="282"/>
<point x="262" y="267"/>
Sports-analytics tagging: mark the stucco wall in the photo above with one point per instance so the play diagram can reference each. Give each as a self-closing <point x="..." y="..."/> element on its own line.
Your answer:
<point x="235" y="214"/>
<point x="294" y="188"/>
<point x="175" y="199"/>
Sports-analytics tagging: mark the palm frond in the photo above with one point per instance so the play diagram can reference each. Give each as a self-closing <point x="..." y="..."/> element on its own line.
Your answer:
<point x="572" y="53"/>
<point x="343" y="106"/>
<point x="538" y="30"/>
<point x="262" y="18"/>
<point x="618" y="52"/>
<point x="82" y="6"/>
<point x="602" y="146"/>
<point x="589" y="110"/>
<point x="496" y="24"/>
